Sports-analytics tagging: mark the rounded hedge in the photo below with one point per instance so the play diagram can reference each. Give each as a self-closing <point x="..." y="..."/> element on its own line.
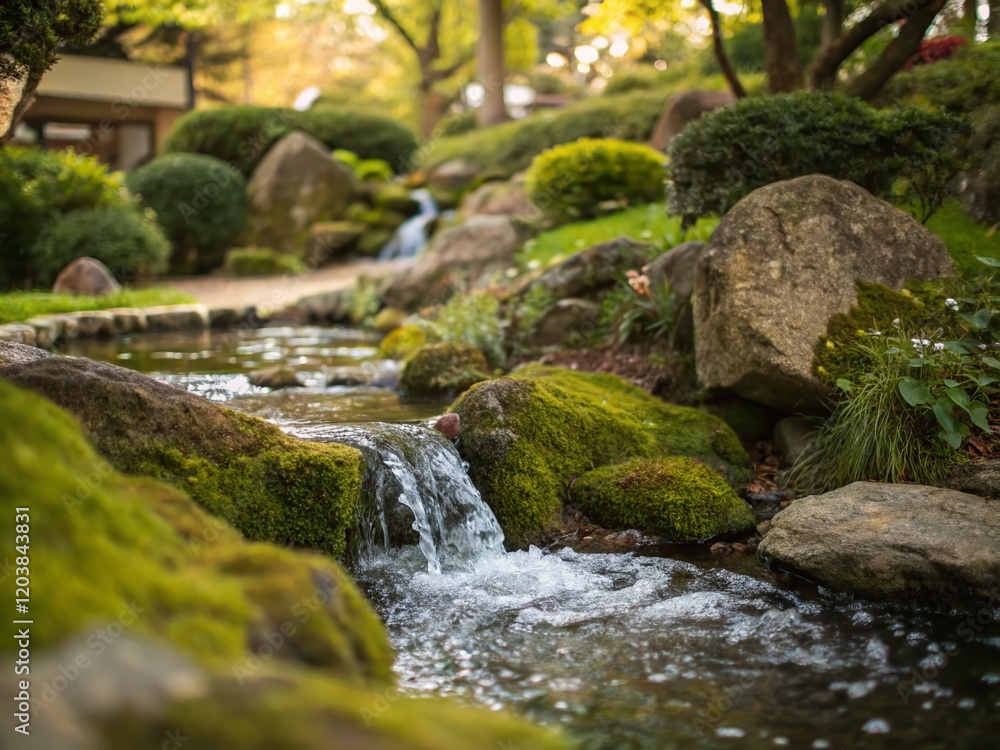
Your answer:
<point x="201" y="203"/>
<point x="239" y="135"/>
<point x="904" y="155"/>
<point x="369" y="136"/>
<point x="127" y="241"/>
<point x="572" y="181"/>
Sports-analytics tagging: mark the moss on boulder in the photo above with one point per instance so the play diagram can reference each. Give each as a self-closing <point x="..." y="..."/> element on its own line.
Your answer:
<point x="188" y="628"/>
<point x="443" y="369"/>
<point x="526" y="437"/>
<point x="678" y="498"/>
<point x="242" y="469"/>
<point x="402" y="342"/>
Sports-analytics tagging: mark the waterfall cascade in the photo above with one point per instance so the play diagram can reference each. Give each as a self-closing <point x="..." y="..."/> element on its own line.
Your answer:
<point x="411" y="236"/>
<point x="414" y="467"/>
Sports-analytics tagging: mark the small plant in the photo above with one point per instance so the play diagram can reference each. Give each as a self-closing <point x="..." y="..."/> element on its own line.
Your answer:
<point x="591" y="175"/>
<point x="638" y="306"/>
<point x="473" y="319"/>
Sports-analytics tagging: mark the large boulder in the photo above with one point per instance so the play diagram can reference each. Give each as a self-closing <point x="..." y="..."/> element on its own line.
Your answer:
<point x="682" y="108"/>
<point x="444" y="369"/>
<point x="466" y="256"/>
<point x="86" y="276"/>
<point x="593" y="272"/>
<point x="242" y="469"/>
<point x="504" y="198"/>
<point x="782" y="262"/>
<point x="893" y="541"/>
<point x="204" y="638"/>
<point x="527" y="437"/>
<point x="295" y="185"/>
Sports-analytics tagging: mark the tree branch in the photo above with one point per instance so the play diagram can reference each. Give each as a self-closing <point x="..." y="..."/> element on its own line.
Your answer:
<point x="721" y="58"/>
<point x="388" y="16"/>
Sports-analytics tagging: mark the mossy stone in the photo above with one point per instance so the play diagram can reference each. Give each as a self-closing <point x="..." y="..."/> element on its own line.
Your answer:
<point x="242" y="469"/>
<point x="402" y="342"/>
<point x="109" y="548"/>
<point x="678" y="498"/>
<point x="526" y="437"/>
<point x="441" y="369"/>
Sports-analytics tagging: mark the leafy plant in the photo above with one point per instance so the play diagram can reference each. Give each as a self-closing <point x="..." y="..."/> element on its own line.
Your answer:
<point x="638" y="306"/>
<point x="473" y="319"/>
<point x="580" y="179"/>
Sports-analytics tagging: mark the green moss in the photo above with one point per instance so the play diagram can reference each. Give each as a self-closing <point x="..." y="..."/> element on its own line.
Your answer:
<point x="389" y="319"/>
<point x="402" y="342"/>
<point x="16" y="306"/>
<point x="107" y="548"/>
<point x="918" y="306"/>
<point x="677" y="498"/>
<point x="443" y="369"/>
<point x="262" y="261"/>
<point x="268" y="485"/>
<point x="528" y="436"/>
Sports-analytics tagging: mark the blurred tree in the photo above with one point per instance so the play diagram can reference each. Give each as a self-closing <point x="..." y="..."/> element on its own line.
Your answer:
<point x="490" y="65"/>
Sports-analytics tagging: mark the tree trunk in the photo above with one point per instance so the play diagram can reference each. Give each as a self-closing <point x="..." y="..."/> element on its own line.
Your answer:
<point x="833" y="22"/>
<point x="993" y="26"/>
<point x="781" y="51"/>
<point x="721" y="58"/>
<point x="432" y="108"/>
<point x="899" y="50"/>
<point x="490" y="63"/>
<point x="16" y="95"/>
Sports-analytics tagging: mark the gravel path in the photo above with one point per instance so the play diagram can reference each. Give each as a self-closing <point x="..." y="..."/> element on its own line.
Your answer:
<point x="278" y="292"/>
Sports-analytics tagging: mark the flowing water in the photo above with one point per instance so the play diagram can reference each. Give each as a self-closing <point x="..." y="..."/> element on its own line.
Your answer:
<point x="622" y="650"/>
<point x="411" y="236"/>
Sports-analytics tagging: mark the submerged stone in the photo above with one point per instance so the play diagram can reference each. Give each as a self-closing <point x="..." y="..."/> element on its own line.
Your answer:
<point x="526" y="437"/>
<point x="678" y="498"/>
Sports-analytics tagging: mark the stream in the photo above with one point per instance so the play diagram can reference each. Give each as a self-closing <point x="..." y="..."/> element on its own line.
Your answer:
<point x="621" y="650"/>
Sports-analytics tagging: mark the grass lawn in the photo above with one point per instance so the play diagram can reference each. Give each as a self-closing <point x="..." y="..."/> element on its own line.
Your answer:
<point x="965" y="238"/>
<point x="17" y="306"/>
<point x="643" y="223"/>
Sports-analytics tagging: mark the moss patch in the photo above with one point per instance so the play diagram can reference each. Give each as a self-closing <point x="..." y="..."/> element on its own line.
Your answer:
<point x="107" y="549"/>
<point x="920" y="305"/>
<point x="402" y="342"/>
<point x="242" y="469"/>
<point x="528" y="436"/>
<point x="677" y="498"/>
<point x="443" y="369"/>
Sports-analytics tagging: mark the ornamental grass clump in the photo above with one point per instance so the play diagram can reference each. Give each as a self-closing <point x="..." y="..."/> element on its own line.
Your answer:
<point x="913" y="400"/>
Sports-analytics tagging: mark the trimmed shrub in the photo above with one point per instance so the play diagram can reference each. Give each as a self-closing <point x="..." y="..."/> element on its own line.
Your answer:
<point x="36" y="188"/>
<point x="904" y="155"/>
<point x="239" y="135"/>
<point x="369" y="136"/>
<point x="456" y="124"/>
<point x="125" y="240"/>
<point x="261" y="261"/>
<point x="572" y="181"/>
<point x="201" y="203"/>
<point x="502" y="150"/>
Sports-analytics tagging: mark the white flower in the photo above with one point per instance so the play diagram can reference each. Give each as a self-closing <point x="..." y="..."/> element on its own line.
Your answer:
<point x="951" y="303"/>
<point x="938" y="347"/>
<point x="895" y="322"/>
<point x="982" y="346"/>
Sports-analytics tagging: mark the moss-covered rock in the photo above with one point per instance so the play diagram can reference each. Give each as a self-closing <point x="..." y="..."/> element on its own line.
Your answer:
<point x="678" y="498"/>
<point x="402" y="342"/>
<point x="135" y="551"/>
<point x="443" y="369"/>
<point x="528" y="436"/>
<point x="201" y="637"/>
<point x="389" y="319"/>
<point x="242" y="469"/>
<point x="919" y="305"/>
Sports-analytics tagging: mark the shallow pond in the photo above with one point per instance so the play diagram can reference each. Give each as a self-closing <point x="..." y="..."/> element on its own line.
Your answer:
<point x="624" y="651"/>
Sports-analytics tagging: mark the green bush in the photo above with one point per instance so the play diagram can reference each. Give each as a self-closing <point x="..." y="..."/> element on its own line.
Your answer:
<point x="903" y="155"/>
<point x="201" y="203"/>
<point x="125" y="240"/>
<point x="502" y="150"/>
<point x="369" y="136"/>
<point x="456" y="124"/>
<point x="261" y="261"/>
<point x="36" y="188"/>
<point x="575" y="180"/>
<point x="239" y="135"/>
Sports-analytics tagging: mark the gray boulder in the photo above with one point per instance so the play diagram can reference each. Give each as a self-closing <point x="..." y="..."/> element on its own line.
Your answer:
<point x="682" y="108"/>
<point x="592" y="272"/>
<point x="295" y="185"/>
<point x="86" y="276"/>
<point x="467" y="256"/>
<point x="782" y="262"/>
<point x="507" y="198"/>
<point x="565" y="323"/>
<point x="893" y="541"/>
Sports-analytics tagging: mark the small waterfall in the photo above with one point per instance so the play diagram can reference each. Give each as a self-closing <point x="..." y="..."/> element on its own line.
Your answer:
<point x="411" y="236"/>
<point x="416" y="482"/>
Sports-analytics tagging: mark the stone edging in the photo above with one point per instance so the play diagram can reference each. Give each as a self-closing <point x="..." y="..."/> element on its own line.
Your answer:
<point x="49" y="331"/>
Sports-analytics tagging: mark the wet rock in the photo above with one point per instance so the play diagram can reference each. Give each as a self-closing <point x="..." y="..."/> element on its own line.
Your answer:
<point x="721" y="548"/>
<point x="792" y="435"/>
<point x="449" y="425"/>
<point x="47" y="332"/>
<point x="20" y="333"/>
<point x="129" y="320"/>
<point x="466" y="256"/>
<point x="231" y="318"/>
<point x="327" y="307"/>
<point x="275" y="378"/>
<point x="171" y="318"/>
<point x="99" y="324"/>
<point x="893" y="541"/>
<point x="445" y="369"/>
<point x="86" y="276"/>
<point x="295" y="185"/>
<point x="760" y="305"/>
